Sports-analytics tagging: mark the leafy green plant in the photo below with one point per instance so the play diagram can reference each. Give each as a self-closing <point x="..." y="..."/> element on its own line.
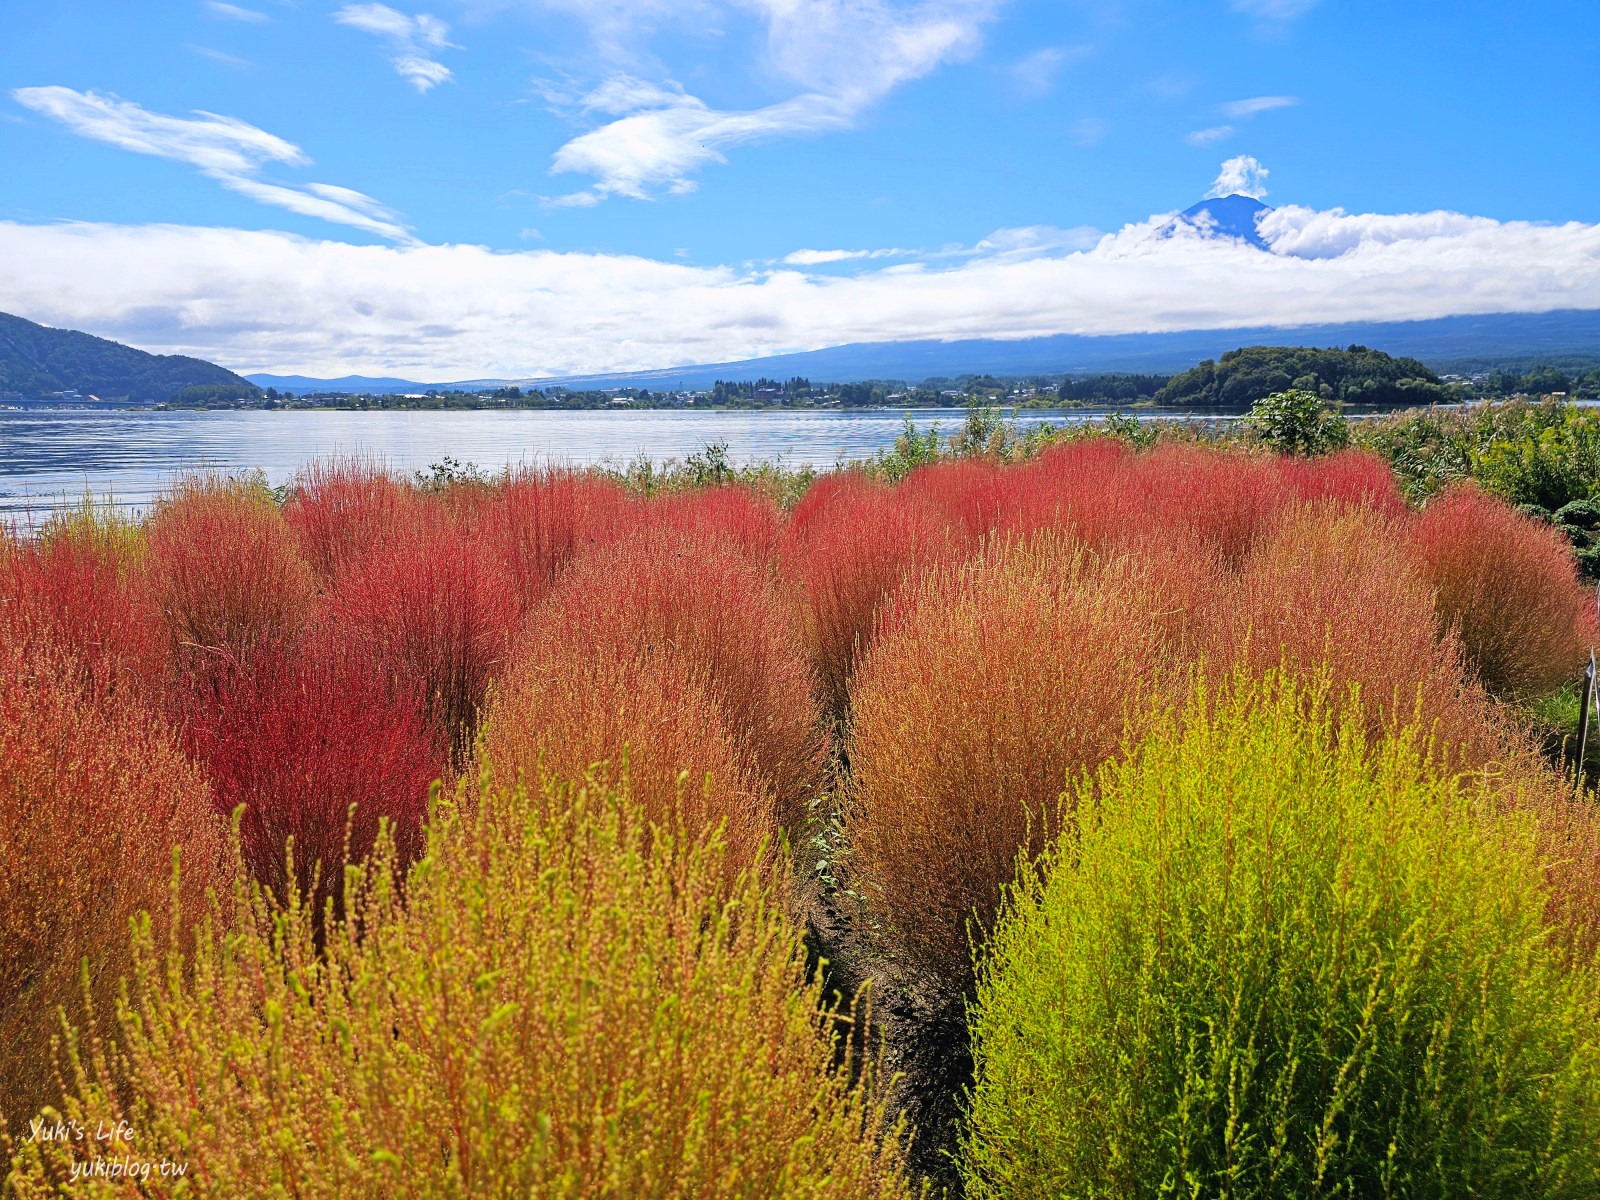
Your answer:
<point x="561" y="1006"/>
<point x="912" y="449"/>
<point x="1270" y="958"/>
<point x="449" y="473"/>
<point x="709" y="465"/>
<point x="1298" y="422"/>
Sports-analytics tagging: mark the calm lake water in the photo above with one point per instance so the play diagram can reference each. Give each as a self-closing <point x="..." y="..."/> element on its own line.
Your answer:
<point x="46" y="456"/>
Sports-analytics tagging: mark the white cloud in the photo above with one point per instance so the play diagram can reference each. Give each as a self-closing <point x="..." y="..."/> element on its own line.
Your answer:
<point x="817" y="258"/>
<point x="234" y="13"/>
<point x="662" y="148"/>
<point x="1239" y="110"/>
<point x="227" y="60"/>
<point x="843" y="55"/>
<point x="1241" y="175"/>
<point x="412" y="41"/>
<point x="1032" y="241"/>
<point x="271" y="301"/>
<point x="1204" y="137"/>
<point x="230" y="151"/>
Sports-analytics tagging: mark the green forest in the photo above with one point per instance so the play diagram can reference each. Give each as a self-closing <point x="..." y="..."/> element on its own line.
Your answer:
<point x="1356" y="375"/>
<point x="37" y="361"/>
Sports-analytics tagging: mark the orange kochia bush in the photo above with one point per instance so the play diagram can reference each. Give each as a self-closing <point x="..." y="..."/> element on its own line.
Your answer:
<point x="1508" y="586"/>
<point x="94" y="797"/>
<point x="699" y="601"/>
<point x="988" y="686"/>
<point x="849" y="545"/>
<point x="223" y="569"/>
<point x="1333" y="591"/>
<point x="640" y="721"/>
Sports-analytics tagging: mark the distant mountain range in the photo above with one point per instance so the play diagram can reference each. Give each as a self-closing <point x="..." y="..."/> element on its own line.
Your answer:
<point x="38" y="363"/>
<point x="1444" y="343"/>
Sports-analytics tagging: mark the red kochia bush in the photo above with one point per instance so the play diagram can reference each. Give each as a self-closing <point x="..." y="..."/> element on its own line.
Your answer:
<point x="987" y="687"/>
<point x="76" y="587"/>
<point x="1223" y="500"/>
<point x="537" y="522"/>
<point x="223" y="569"/>
<point x="1227" y="500"/>
<point x="562" y="709"/>
<point x="1077" y="486"/>
<point x="849" y="545"/>
<point x="93" y="799"/>
<point x="1347" y="479"/>
<point x="1334" y="591"/>
<point x="700" y="599"/>
<point x="1508" y="584"/>
<point x="969" y="493"/>
<point x="298" y="736"/>
<point x="340" y="508"/>
<point x="746" y="516"/>
<point x="429" y="604"/>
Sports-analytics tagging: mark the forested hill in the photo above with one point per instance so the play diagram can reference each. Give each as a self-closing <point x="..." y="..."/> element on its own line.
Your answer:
<point x="1354" y="376"/>
<point x="37" y="361"/>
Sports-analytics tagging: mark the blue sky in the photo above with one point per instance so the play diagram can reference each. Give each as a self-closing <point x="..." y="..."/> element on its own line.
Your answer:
<point x="544" y="186"/>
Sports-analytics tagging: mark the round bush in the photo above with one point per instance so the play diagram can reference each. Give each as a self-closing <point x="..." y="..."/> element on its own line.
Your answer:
<point x="698" y="598"/>
<point x="850" y="544"/>
<point x="77" y="587"/>
<point x="566" y="710"/>
<point x="93" y="799"/>
<point x="1510" y="586"/>
<point x="299" y="736"/>
<point x="1270" y="959"/>
<point x="562" y="1007"/>
<point x="1334" y="590"/>
<point x="429" y="603"/>
<point x="989" y="685"/>
<point x="223" y="569"/>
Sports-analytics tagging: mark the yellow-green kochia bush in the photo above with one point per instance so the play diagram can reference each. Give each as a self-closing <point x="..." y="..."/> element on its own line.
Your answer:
<point x="561" y="1006"/>
<point x="1268" y="959"/>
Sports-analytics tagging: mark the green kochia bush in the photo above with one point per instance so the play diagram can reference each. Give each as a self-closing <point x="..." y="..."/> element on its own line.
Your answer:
<point x="1270" y="960"/>
<point x="563" y="1005"/>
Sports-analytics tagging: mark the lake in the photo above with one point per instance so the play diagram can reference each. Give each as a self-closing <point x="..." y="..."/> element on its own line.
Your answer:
<point x="49" y="455"/>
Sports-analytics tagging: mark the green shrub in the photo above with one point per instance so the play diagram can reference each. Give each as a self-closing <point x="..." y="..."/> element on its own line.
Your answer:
<point x="556" y="1009"/>
<point x="1298" y="422"/>
<point x="1270" y="959"/>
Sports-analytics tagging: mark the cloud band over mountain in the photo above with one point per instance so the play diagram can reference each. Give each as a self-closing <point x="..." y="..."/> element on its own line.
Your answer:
<point x="275" y="302"/>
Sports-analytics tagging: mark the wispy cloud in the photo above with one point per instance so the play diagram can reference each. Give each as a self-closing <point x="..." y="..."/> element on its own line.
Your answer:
<point x="233" y="12"/>
<point x="845" y="55"/>
<point x="1205" y="137"/>
<point x="412" y="42"/>
<point x="339" y="309"/>
<point x="225" y="149"/>
<point x="1036" y="74"/>
<point x="1242" y="175"/>
<point x="1239" y="110"/>
<point x="1274" y="11"/>
<point x="219" y="56"/>
<point x="817" y="258"/>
